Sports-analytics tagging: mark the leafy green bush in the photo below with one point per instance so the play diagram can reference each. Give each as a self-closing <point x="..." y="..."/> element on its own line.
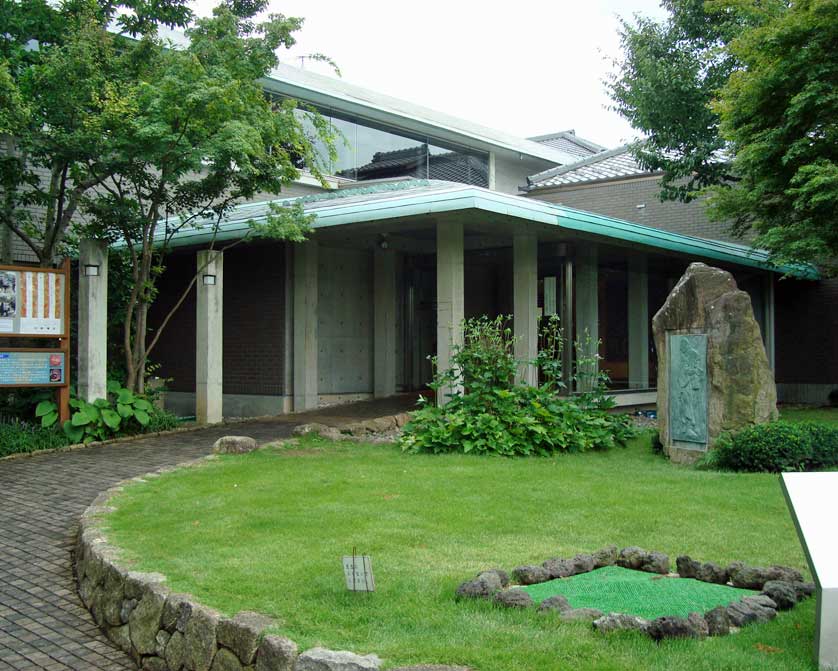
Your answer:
<point x="778" y="446"/>
<point x="491" y="414"/>
<point x="122" y="413"/>
<point x="17" y="437"/>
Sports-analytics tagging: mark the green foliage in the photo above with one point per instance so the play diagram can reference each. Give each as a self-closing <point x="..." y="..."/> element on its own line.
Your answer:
<point x="777" y="446"/>
<point x="779" y="112"/>
<point x="122" y="413"/>
<point x="19" y="437"/>
<point x="492" y="414"/>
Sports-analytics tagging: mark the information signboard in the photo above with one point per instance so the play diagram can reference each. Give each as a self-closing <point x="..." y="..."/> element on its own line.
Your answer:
<point x="32" y="301"/>
<point x="41" y="367"/>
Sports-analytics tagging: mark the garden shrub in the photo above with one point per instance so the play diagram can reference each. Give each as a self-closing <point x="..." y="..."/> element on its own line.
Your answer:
<point x="494" y="415"/>
<point x="778" y="446"/>
<point x="17" y="436"/>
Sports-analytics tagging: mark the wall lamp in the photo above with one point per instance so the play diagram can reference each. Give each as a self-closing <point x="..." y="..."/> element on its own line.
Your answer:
<point x="91" y="270"/>
<point x="209" y="280"/>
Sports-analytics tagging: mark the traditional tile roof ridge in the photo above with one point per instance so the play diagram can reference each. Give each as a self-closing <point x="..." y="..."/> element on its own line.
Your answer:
<point x="611" y="164"/>
<point x="569" y="142"/>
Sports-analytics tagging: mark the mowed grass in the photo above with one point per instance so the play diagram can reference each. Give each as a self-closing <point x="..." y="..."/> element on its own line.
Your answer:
<point x="266" y="531"/>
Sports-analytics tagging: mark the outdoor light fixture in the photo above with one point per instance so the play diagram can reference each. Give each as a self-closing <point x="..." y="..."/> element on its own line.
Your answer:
<point x="209" y="280"/>
<point x="91" y="270"/>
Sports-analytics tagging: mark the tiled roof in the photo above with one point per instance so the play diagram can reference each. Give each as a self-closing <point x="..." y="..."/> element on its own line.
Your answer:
<point x="611" y="164"/>
<point x="568" y="142"/>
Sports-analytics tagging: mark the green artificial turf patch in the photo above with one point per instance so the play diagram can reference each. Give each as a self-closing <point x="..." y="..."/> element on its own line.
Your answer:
<point x="614" y="589"/>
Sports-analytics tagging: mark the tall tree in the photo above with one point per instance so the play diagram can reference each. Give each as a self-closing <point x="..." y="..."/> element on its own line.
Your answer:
<point x="62" y="90"/>
<point x="779" y="112"/>
<point x="197" y="135"/>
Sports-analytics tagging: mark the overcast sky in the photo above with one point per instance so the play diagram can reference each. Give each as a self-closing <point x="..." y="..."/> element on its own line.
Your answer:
<point x="528" y="68"/>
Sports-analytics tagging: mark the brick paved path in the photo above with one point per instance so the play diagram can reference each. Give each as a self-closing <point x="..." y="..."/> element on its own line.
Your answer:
<point x="43" y="624"/>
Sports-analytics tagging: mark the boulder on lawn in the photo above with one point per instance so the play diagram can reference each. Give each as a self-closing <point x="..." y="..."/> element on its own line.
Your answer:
<point x="581" y="615"/>
<point x="513" y="598"/>
<point x="530" y="575"/>
<point x="670" y="626"/>
<point x="607" y="556"/>
<point x="718" y="621"/>
<point x="234" y="445"/>
<point x="554" y="603"/>
<point x="619" y="621"/>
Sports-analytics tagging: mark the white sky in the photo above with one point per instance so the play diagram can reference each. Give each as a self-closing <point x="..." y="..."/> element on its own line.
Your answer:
<point x="528" y="68"/>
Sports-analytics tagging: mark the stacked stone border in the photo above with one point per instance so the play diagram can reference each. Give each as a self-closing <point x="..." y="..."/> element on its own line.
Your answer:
<point x="166" y="631"/>
<point x="780" y="587"/>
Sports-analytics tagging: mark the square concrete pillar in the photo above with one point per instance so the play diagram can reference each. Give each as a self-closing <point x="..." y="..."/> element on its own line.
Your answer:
<point x="550" y="296"/>
<point x="384" y="290"/>
<point x="587" y="309"/>
<point x="566" y="317"/>
<point x="770" y="346"/>
<point x="525" y="305"/>
<point x="305" y="326"/>
<point x="93" y="320"/>
<point x="638" y="322"/>
<point x="209" y="337"/>
<point x="450" y="297"/>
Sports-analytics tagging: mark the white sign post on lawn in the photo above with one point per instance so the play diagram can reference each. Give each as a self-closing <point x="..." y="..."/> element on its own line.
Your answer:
<point x="813" y="501"/>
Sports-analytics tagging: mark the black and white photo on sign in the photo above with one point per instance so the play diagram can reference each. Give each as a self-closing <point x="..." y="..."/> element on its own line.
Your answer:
<point x="8" y="294"/>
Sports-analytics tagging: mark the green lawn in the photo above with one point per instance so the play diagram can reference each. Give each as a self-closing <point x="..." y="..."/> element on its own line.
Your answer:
<point x="803" y="413"/>
<point x="265" y="531"/>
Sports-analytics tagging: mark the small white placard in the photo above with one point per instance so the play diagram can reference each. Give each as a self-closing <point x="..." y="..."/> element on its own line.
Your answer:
<point x="358" y="572"/>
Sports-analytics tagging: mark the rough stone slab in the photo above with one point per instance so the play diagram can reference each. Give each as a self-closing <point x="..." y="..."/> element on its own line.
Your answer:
<point x="225" y="660"/>
<point x="145" y="621"/>
<point x="276" y="653"/>
<point x="513" y="598"/>
<point x="620" y="621"/>
<point x="321" y="659"/>
<point x="530" y="575"/>
<point x="176" y="612"/>
<point x="554" y="603"/>
<point x="581" y="614"/>
<point x="200" y="638"/>
<point x="234" y="445"/>
<point x="242" y="634"/>
<point x="607" y="556"/>
<point x="176" y="651"/>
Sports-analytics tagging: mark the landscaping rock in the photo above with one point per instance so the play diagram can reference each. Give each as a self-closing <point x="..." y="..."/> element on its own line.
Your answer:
<point x="313" y="427"/>
<point x="154" y="664"/>
<point x="501" y="575"/>
<point x="718" y="621"/>
<point x="482" y="587"/>
<point x="782" y="593"/>
<point x="513" y="598"/>
<point x="321" y="659"/>
<point x="145" y="621"/>
<point x="176" y="613"/>
<point x="401" y="419"/>
<point x="619" y="621"/>
<point x="161" y="641"/>
<point x="580" y="614"/>
<point x="582" y="563"/>
<point x="655" y="562"/>
<point x="554" y="603"/>
<point x="128" y="606"/>
<point x="751" y="609"/>
<point x="242" y="633"/>
<point x="558" y="568"/>
<point x="607" y="556"/>
<point x="276" y="653"/>
<point x="804" y="589"/>
<point x="234" y="445"/>
<point x="530" y="575"/>
<point x="710" y="572"/>
<point x="687" y="567"/>
<point x="225" y="660"/>
<point x="755" y="577"/>
<point x="136" y="583"/>
<point x="200" y="638"/>
<point x="176" y="651"/>
<point x="632" y="557"/>
<point x="120" y="637"/>
<point x="740" y="385"/>
<point x="670" y="626"/>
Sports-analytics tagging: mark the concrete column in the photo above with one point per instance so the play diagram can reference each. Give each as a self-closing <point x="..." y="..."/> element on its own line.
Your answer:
<point x="566" y="317"/>
<point x="209" y="337"/>
<point x="769" y="320"/>
<point x="93" y="320"/>
<point x="550" y="296"/>
<point x="587" y="307"/>
<point x="305" y="326"/>
<point x="384" y="289"/>
<point x="638" y="322"/>
<point x="450" y="292"/>
<point x="525" y="304"/>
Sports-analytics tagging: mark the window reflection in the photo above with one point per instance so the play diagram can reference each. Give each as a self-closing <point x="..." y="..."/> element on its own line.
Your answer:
<point x="366" y="152"/>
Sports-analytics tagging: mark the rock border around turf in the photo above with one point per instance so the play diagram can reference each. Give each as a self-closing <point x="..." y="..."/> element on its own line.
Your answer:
<point x="166" y="631"/>
<point x="781" y="588"/>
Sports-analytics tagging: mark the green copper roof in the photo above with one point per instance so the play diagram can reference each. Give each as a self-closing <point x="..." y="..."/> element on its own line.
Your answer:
<point x="409" y="198"/>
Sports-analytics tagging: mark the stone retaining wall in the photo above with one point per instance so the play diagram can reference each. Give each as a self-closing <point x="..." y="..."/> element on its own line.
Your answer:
<point x="165" y="631"/>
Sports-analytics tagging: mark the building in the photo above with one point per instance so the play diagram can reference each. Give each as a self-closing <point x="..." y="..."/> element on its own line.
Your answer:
<point x="423" y="226"/>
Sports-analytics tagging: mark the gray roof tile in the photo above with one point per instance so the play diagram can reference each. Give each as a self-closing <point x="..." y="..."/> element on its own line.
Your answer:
<point x="611" y="164"/>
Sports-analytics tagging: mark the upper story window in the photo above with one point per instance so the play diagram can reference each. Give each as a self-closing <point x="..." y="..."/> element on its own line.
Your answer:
<point x="376" y="152"/>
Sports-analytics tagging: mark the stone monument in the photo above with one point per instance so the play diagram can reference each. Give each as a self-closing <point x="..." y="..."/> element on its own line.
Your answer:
<point x="713" y="373"/>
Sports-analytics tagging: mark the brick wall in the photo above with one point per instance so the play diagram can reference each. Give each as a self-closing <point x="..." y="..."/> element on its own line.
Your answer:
<point x="254" y="317"/>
